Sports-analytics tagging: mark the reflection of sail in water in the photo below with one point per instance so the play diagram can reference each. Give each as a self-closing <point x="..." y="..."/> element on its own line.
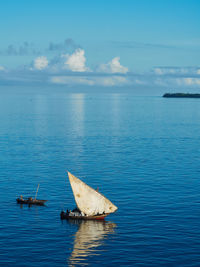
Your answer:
<point x="89" y="236"/>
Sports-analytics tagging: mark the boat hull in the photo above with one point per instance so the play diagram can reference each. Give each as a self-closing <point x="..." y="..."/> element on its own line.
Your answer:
<point x="31" y="202"/>
<point x="66" y="216"/>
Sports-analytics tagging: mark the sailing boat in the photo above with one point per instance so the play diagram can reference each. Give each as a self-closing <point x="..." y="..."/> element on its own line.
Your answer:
<point x="30" y="200"/>
<point x="90" y="203"/>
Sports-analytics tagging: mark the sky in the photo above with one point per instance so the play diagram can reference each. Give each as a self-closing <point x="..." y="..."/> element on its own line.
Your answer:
<point x="100" y="43"/>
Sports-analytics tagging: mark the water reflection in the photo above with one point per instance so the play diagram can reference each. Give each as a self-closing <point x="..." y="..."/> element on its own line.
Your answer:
<point x="40" y="119"/>
<point x="77" y="108"/>
<point x="89" y="236"/>
<point x="115" y="109"/>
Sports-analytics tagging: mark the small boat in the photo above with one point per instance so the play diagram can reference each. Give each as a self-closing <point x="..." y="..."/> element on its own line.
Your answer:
<point x="30" y="200"/>
<point x="91" y="205"/>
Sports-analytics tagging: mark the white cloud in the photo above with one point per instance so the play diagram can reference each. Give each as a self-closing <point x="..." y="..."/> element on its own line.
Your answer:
<point x="2" y="68"/>
<point x="198" y="71"/>
<point x="113" y="66"/>
<point x="41" y="63"/>
<point x="188" y="81"/>
<point x="158" y="71"/>
<point x="76" y="61"/>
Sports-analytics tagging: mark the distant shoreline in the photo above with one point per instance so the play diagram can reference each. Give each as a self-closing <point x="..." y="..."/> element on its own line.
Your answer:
<point x="181" y="95"/>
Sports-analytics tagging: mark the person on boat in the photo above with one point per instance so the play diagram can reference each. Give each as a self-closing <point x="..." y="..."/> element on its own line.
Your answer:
<point x="62" y="213"/>
<point x="21" y="197"/>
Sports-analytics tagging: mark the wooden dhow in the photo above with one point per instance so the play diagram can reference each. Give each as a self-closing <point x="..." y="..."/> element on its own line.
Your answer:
<point x="30" y="200"/>
<point x="91" y="204"/>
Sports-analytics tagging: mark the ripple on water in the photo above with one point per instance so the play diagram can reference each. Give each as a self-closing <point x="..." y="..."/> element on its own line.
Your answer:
<point x="142" y="154"/>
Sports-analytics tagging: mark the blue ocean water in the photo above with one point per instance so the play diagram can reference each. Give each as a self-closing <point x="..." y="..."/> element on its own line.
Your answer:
<point x="142" y="153"/>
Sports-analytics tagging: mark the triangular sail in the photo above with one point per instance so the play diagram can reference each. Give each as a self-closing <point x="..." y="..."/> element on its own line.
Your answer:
<point x="88" y="200"/>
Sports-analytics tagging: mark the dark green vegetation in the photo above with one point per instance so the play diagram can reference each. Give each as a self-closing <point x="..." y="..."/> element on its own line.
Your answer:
<point x="187" y="95"/>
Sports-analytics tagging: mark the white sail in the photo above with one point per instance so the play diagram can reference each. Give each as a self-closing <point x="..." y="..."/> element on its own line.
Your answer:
<point x="88" y="200"/>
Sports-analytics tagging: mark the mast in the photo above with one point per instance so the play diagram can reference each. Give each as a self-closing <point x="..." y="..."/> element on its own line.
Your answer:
<point x="88" y="200"/>
<point x="37" y="190"/>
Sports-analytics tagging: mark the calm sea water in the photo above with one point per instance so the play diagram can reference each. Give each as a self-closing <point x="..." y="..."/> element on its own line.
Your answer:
<point x="142" y="152"/>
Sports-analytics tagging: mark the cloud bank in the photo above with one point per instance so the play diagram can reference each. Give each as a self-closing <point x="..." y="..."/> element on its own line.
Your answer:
<point x="71" y="69"/>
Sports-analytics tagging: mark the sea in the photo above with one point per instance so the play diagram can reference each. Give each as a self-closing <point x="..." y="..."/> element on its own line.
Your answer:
<point x="142" y="152"/>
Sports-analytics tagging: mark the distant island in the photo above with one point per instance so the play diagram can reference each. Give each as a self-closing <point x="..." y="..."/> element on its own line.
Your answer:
<point x="183" y="95"/>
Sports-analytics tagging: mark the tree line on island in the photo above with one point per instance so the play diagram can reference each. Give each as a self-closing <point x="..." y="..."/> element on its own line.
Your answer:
<point x="183" y="95"/>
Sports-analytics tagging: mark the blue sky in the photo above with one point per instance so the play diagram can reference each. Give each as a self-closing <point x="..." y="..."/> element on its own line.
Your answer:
<point x="127" y="38"/>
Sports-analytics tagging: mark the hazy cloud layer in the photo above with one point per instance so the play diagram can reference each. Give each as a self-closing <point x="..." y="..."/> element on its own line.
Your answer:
<point x="177" y="71"/>
<point x="22" y="50"/>
<point x="2" y="68"/>
<point x="90" y="80"/>
<point x="63" y="46"/>
<point x="133" y="45"/>
<point x="44" y="75"/>
<point x="188" y="81"/>
<point x="27" y="48"/>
